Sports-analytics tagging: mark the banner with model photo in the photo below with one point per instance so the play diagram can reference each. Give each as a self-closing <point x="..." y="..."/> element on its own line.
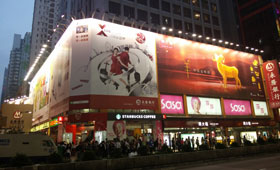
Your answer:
<point x="260" y="108"/>
<point x="237" y="107"/>
<point x="172" y="104"/>
<point x="188" y="67"/>
<point x="114" y="62"/>
<point x="203" y="106"/>
<point x="116" y="129"/>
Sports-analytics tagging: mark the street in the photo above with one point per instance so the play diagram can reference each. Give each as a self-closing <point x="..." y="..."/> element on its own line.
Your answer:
<point x="258" y="162"/>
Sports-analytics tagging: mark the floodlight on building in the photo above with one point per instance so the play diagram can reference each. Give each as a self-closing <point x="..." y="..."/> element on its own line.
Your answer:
<point x="207" y="38"/>
<point x="220" y="41"/>
<point x="226" y="42"/>
<point x="256" y="50"/>
<point x="45" y="45"/>
<point x="163" y="28"/>
<point x="179" y="32"/>
<point x="252" y="49"/>
<point x="237" y="45"/>
<point x="262" y="51"/>
<point x="213" y="39"/>
<point x="231" y="44"/>
<point x="62" y="16"/>
<point x="194" y="35"/>
<point x="200" y="36"/>
<point x="247" y="47"/>
<point x="170" y="29"/>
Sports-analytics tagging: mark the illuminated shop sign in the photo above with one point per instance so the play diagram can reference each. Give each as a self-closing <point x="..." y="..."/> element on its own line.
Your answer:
<point x="54" y="122"/>
<point x="17" y="115"/>
<point x="237" y="107"/>
<point x="208" y="124"/>
<point x="172" y="104"/>
<point x="40" y="127"/>
<point x="123" y="116"/>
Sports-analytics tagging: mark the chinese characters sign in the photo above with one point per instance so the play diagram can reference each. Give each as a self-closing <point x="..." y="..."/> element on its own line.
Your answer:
<point x="271" y="75"/>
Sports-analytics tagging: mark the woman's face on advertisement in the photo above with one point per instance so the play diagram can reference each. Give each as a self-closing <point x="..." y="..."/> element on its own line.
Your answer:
<point x="196" y="105"/>
<point x="119" y="129"/>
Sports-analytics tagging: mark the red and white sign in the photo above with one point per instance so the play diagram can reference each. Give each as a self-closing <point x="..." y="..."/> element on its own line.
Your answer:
<point x="17" y="115"/>
<point x="172" y="104"/>
<point x="260" y="108"/>
<point x="271" y="74"/>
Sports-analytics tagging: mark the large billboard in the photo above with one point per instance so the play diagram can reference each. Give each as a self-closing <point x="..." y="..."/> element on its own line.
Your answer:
<point x="237" y="107"/>
<point x="203" y="106"/>
<point x="195" y="68"/>
<point x="50" y="86"/>
<point x="116" y="65"/>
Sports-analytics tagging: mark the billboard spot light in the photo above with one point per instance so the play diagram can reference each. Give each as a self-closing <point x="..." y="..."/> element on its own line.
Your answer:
<point x="170" y="29"/>
<point x="163" y="28"/>
<point x="213" y="39"/>
<point x="194" y="35"/>
<point x="179" y="32"/>
<point x="256" y="50"/>
<point x="262" y="51"/>
<point x="247" y="47"/>
<point x="199" y="36"/>
<point x="207" y="38"/>
<point x="237" y="45"/>
<point x="252" y="48"/>
<point x="220" y="41"/>
<point x="226" y="42"/>
<point x="231" y="44"/>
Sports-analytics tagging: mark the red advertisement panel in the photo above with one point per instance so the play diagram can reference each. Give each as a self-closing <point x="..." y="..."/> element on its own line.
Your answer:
<point x="195" y="68"/>
<point x="271" y="74"/>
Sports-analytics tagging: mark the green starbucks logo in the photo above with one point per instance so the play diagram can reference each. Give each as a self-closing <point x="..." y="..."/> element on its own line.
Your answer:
<point x="118" y="116"/>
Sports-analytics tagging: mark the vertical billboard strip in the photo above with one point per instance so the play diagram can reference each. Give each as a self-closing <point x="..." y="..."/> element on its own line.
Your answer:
<point x="237" y="107"/>
<point x="260" y="108"/>
<point x="271" y="74"/>
<point x="172" y="104"/>
<point x="203" y="106"/>
<point x="188" y="67"/>
<point x="116" y="63"/>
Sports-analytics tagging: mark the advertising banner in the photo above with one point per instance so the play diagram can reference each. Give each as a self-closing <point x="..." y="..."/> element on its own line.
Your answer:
<point x="237" y="107"/>
<point x="171" y="104"/>
<point x="193" y="68"/>
<point x="271" y="74"/>
<point x="203" y="106"/>
<point x="116" y="129"/>
<point x="114" y="62"/>
<point x="260" y="108"/>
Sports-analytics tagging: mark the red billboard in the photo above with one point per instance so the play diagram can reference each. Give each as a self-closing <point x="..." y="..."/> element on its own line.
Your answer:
<point x="195" y="68"/>
<point x="271" y="74"/>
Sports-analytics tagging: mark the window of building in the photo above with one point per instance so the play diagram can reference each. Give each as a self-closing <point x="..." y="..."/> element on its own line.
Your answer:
<point x="176" y="9"/>
<point x="187" y="12"/>
<point x="196" y="15"/>
<point x="186" y="1"/>
<point x="155" y="19"/>
<point x="178" y="24"/>
<point x="142" y="15"/>
<point x="213" y="7"/>
<point x="198" y="29"/>
<point x="165" y="6"/>
<point x="114" y="8"/>
<point x="143" y="2"/>
<point x="128" y="11"/>
<point x="188" y="27"/>
<point x="166" y="21"/>
<point x="217" y="33"/>
<point x="154" y="4"/>
<point x="208" y="32"/>
<point x="196" y="3"/>
<point x="215" y="20"/>
<point x="205" y="4"/>
<point x="206" y="18"/>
